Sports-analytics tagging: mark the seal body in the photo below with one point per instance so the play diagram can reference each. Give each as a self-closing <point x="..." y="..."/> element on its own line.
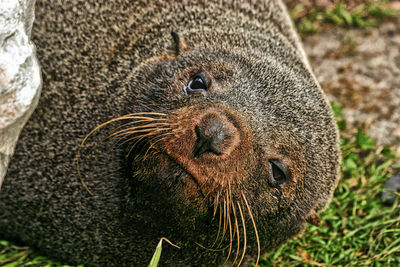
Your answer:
<point x="219" y="139"/>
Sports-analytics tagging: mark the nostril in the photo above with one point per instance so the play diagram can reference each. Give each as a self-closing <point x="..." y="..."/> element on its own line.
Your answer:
<point x="204" y="143"/>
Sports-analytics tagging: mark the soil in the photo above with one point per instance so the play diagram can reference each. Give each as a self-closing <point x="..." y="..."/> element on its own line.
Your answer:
<point x="360" y="68"/>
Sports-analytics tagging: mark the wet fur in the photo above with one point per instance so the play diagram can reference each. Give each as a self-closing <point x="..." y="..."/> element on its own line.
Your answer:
<point x="90" y="55"/>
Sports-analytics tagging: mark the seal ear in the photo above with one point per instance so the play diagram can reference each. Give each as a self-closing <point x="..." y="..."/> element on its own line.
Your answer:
<point x="313" y="218"/>
<point x="180" y="43"/>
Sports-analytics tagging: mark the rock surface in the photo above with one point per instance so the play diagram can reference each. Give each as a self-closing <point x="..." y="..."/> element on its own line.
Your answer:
<point x="19" y="74"/>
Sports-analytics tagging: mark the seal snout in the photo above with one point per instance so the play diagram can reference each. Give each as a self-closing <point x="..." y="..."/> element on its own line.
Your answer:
<point x="215" y="134"/>
<point x="213" y="145"/>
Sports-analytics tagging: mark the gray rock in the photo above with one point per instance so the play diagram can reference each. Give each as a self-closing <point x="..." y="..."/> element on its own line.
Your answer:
<point x="391" y="185"/>
<point x="19" y="74"/>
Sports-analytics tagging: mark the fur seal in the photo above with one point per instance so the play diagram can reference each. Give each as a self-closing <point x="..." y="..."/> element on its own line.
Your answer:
<point x="218" y="138"/>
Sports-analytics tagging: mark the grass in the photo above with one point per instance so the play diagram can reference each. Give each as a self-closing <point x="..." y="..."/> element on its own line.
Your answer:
<point x="13" y="256"/>
<point x="361" y="14"/>
<point x="356" y="229"/>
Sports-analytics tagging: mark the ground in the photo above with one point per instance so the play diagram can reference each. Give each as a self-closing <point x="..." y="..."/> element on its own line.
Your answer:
<point x="360" y="68"/>
<point x="357" y="67"/>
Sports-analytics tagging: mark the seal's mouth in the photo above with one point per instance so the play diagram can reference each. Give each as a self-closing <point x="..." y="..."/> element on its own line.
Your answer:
<point x="193" y="191"/>
<point x="233" y="214"/>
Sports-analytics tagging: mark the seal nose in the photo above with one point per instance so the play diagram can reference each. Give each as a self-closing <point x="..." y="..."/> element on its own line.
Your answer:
<point x="213" y="136"/>
<point x="205" y="143"/>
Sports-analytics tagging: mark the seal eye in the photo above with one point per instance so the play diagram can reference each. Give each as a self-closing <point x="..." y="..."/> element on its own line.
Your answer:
<point x="279" y="172"/>
<point x="198" y="83"/>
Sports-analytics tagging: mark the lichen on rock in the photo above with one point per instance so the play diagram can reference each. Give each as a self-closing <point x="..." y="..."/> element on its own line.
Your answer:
<point x="20" y="80"/>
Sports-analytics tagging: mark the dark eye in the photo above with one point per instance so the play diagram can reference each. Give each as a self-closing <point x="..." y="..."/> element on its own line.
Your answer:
<point x="279" y="172"/>
<point x="198" y="83"/>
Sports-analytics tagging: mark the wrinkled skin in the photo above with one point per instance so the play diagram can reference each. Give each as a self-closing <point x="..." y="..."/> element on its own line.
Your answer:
<point x="138" y="178"/>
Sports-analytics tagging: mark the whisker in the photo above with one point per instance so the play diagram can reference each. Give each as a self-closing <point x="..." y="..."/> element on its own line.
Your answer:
<point x="238" y="234"/>
<point x="156" y="139"/>
<point x="152" y="145"/>
<point x="136" y="122"/>
<point x="218" y="234"/>
<point x="230" y="203"/>
<point x="80" y="177"/>
<point x="139" y="137"/>
<point x="147" y="127"/>
<point x="230" y="240"/>
<point x="215" y="205"/>
<point x="112" y="135"/>
<point x="244" y="234"/>
<point x="147" y="113"/>
<point x="225" y="223"/>
<point x="122" y="136"/>
<point x="78" y="153"/>
<point x="124" y="117"/>
<point x="225" y="217"/>
<point x="134" y="145"/>
<point x="138" y="115"/>
<point x="152" y="142"/>
<point x="150" y="119"/>
<point x="219" y="225"/>
<point x="255" y="228"/>
<point x="230" y="228"/>
<point x="154" y="130"/>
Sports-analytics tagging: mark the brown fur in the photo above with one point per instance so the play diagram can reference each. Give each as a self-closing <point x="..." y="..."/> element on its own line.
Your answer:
<point x="113" y="66"/>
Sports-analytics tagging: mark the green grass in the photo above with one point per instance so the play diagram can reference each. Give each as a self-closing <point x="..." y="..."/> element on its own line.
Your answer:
<point x="356" y="228"/>
<point x="310" y="20"/>
<point x="13" y="256"/>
